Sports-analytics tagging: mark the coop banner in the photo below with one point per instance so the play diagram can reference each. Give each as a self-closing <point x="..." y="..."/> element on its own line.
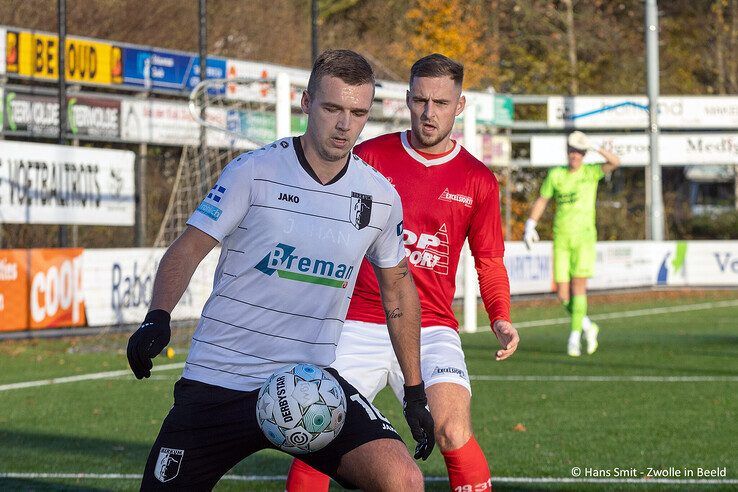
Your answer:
<point x="709" y="112"/>
<point x="14" y="289"/>
<point x="633" y="150"/>
<point x="55" y="291"/>
<point x="39" y="115"/>
<point x="55" y="184"/>
<point x="36" y="55"/>
<point x="118" y="284"/>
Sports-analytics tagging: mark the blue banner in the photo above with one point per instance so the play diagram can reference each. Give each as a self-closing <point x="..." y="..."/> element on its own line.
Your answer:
<point x="167" y="70"/>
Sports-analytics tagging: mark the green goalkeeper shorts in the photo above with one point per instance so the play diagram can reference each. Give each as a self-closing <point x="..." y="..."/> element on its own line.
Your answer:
<point x="574" y="256"/>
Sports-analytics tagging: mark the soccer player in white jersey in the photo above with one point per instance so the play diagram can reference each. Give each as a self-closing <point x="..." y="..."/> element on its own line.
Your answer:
<point x="294" y="219"/>
<point x="448" y="196"/>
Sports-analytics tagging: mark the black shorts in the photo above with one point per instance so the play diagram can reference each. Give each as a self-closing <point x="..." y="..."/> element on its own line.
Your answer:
<point x="210" y="429"/>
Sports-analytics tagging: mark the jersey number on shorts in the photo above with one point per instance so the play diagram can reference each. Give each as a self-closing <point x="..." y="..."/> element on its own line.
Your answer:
<point x="371" y="410"/>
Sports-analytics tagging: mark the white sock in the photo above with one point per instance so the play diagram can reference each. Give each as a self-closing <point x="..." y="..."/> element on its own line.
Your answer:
<point x="586" y="323"/>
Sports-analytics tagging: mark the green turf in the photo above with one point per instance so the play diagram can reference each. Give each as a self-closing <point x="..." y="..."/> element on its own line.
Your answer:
<point x="527" y="428"/>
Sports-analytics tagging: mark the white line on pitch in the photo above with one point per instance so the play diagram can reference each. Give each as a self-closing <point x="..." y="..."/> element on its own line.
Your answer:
<point x="524" y="324"/>
<point x="84" y="377"/>
<point x="630" y="314"/>
<point x="276" y="478"/>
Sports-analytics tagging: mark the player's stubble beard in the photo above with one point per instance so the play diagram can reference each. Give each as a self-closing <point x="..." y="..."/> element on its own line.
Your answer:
<point x="334" y="155"/>
<point x="427" y="140"/>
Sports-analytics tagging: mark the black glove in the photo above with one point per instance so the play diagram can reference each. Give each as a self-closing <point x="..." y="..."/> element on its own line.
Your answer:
<point x="418" y="416"/>
<point x="148" y="341"/>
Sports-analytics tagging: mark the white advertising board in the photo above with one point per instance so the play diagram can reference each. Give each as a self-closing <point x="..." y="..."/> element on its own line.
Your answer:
<point x="623" y="264"/>
<point x="56" y="184"/>
<point x="698" y="263"/>
<point x="633" y="150"/>
<point x="170" y="123"/>
<point x="718" y="112"/>
<point x="118" y="285"/>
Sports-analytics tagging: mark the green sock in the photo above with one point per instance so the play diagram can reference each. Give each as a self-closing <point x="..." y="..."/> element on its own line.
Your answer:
<point x="578" y="307"/>
<point x="567" y="305"/>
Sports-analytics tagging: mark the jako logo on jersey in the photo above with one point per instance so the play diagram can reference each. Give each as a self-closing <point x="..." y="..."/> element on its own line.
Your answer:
<point x="431" y="250"/>
<point x="303" y="268"/>
<point x="168" y="463"/>
<point x="289" y="198"/>
<point x="455" y="197"/>
<point x="361" y="210"/>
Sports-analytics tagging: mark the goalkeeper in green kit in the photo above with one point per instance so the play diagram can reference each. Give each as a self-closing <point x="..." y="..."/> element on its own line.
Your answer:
<point x="574" y="189"/>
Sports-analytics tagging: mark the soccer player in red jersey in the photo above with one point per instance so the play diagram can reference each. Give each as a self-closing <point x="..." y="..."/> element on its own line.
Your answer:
<point x="448" y="196"/>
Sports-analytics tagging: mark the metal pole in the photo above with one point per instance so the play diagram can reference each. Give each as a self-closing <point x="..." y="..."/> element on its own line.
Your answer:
<point x="470" y="277"/>
<point x="143" y="150"/>
<point x="652" y="78"/>
<point x="314" y="29"/>
<point x="62" y="49"/>
<point x="203" y="75"/>
<point x="508" y="194"/>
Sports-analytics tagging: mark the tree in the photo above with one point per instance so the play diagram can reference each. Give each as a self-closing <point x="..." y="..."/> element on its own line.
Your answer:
<point x="450" y="27"/>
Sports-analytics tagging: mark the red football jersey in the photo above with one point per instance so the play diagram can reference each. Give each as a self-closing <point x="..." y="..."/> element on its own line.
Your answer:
<point x="445" y="198"/>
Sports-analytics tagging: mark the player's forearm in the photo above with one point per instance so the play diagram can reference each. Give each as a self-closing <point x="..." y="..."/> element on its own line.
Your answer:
<point x="173" y="276"/>
<point x="402" y="310"/>
<point x="494" y="286"/>
<point x="538" y="207"/>
<point x="610" y="157"/>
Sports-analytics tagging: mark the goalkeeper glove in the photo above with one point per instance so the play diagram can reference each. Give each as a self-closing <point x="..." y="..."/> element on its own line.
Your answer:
<point x="530" y="235"/>
<point x="148" y="341"/>
<point x="418" y="416"/>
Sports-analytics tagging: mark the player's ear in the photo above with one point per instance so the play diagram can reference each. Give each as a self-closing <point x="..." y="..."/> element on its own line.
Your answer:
<point x="305" y="102"/>
<point x="407" y="99"/>
<point x="461" y="105"/>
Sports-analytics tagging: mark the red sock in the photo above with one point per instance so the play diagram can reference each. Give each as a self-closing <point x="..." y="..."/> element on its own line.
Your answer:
<point x="304" y="478"/>
<point x="468" y="470"/>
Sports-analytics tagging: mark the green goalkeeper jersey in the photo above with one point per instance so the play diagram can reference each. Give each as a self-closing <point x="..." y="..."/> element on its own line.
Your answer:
<point x="575" y="194"/>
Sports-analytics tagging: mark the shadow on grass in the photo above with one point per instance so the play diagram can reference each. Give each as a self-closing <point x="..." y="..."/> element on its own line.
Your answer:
<point x="33" y="485"/>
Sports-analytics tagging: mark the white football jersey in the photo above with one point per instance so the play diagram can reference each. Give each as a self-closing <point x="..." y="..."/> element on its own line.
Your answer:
<point x="291" y="248"/>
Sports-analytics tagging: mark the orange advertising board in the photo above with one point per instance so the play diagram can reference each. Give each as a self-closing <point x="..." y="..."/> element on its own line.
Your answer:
<point x="55" y="288"/>
<point x="13" y="289"/>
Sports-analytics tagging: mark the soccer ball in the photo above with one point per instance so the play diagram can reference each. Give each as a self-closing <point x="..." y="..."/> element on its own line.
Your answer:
<point x="301" y="408"/>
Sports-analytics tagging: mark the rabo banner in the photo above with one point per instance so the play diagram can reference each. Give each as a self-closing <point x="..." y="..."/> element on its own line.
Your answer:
<point x="118" y="285"/>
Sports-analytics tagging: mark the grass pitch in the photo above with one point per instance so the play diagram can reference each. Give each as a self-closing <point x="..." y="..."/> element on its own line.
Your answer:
<point x="660" y="393"/>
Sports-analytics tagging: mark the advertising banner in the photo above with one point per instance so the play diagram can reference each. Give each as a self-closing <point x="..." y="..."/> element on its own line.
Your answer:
<point x="39" y="115"/>
<point x="167" y="70"/>
<point x="56" y="297"/>
<point x="717" y="112"/>
<point x="3" y="35"/>
<point x="698" y="263"/>
<point x="633" y="150"/>
<point x="55" y="184"/>
<point x="529" y="271"/>
<point x="262" y="90"/>
<point x="623" y="264"/>
<point x="14" y="289"/>
<point x="118" y="285"/>
<point x="170" y="123"/>
<point x="163" y="122"/>
<point x="36" y="55"/>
